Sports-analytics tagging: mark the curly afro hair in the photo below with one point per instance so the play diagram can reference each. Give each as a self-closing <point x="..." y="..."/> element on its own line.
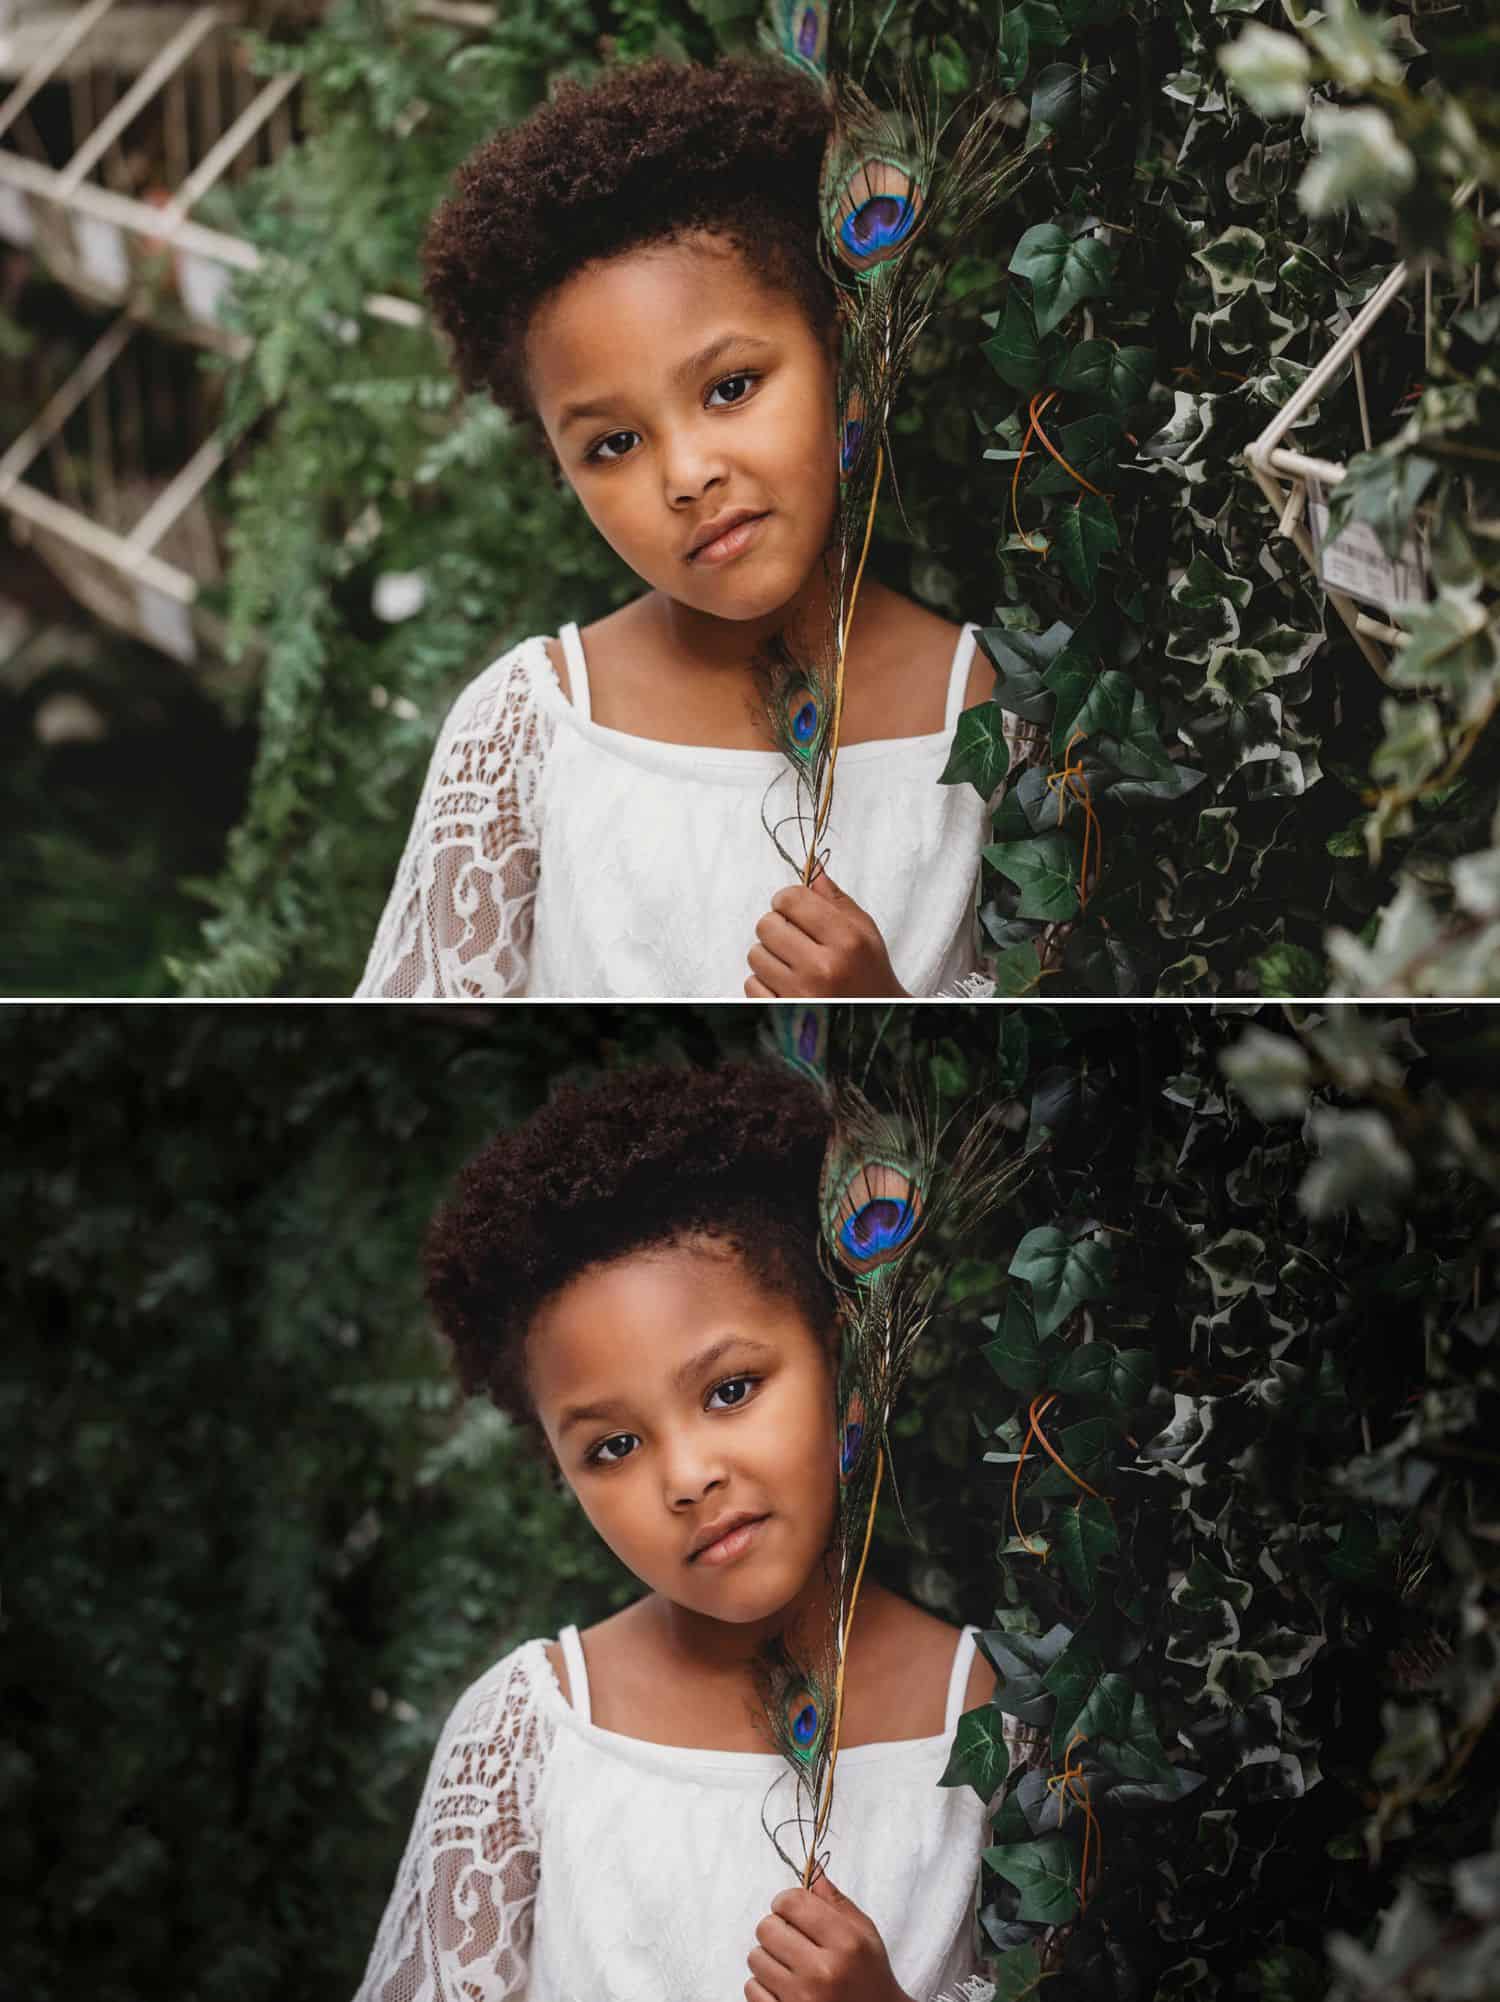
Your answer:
<point x="647" y="153"/>
<point x="641" y="1159"/>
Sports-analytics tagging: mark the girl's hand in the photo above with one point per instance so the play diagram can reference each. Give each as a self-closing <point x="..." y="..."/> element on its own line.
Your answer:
<point x="817" y="1946"/>
<point x="817" y="941"/>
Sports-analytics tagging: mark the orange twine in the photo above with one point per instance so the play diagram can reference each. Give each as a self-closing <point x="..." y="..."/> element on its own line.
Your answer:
<point x="1072" y="783"/>
<point x="1076" y="1787"/>
<point x="1034" y="429"/>
<point x="1034" y="1431"/>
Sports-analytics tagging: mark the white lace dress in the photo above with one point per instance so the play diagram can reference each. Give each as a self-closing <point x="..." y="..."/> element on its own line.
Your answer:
<point x="556" y="1861"/>
<point x="550" y="855"/>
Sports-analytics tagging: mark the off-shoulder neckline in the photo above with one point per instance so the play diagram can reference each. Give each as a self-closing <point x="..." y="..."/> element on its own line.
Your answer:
<point x="647" y="1752"/>
<point x="725" y="757"/>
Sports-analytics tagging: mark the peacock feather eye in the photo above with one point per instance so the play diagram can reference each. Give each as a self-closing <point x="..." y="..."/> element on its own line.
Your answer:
<point x="803" y="720"/>
<point x="875" y="212"/>
<point x="853" y="1436"/>
<point x="802" y="1721"/>
<point x="812" y="1036"/>
<point x="803" y="34"/>
<point x="875" y="1215"/>
<point x="851" y="433"/>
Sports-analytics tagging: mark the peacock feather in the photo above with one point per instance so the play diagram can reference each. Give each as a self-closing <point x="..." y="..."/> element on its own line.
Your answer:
<point x="892" y="1194"/>
<point x="896" y="202"/>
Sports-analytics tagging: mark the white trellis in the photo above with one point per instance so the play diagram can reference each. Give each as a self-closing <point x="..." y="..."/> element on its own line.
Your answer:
<point x="1285" y="476"/>
<point x="157" y="110"/>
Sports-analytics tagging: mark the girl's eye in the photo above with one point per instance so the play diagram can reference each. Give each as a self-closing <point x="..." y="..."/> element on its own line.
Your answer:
<point x="596" y="457"/>
<point x="592" y="1457"/>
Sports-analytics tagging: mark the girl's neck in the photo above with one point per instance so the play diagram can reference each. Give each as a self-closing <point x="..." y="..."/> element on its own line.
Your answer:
<point x="702" y="642"/>
<point x="722" y="1650"/>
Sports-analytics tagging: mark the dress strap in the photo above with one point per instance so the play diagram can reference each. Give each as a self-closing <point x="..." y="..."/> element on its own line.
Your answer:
<point x="958" y="676"/>
<point x="958" y="1680"/>
<point x="578" y="1675"/>
<point x="578" y="674"/>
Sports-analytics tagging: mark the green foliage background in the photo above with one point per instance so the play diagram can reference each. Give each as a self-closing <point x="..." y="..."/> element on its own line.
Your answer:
<point x="1159" y="275"/>
<point x="258" y="1545"/>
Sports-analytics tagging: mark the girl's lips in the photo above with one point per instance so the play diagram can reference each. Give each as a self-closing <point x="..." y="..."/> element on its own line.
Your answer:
<point x="732" y="542"/>
<point x="729" y="1547"/>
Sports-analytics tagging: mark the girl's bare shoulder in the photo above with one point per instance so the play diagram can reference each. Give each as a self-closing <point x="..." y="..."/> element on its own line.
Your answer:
<point x="910" y="660"/>
<point x="914" y="1650"/>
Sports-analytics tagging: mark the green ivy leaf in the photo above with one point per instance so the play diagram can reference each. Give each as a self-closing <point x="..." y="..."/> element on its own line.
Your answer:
<point x="1044" y="869"/>
<point x="1120" y="376"/>
<point x="1120" y="1378"/>
<point x="1089" y="1698"/>
<point x="1018" y="1974"/>
<point x="1021" y="1663"/>
<point x="1021" y="660"/>
<point x="1045" y="1874"/>
<point x="1068" y="94"/>
<point x="1013" y="1056"/>
<point x="1014" y="48"/>
<point x="1013" y="350"/>
<point x="1044" y="23"/>
<point x="1083" y="1537"/>
<point x="1383" y="489"/>
<point x="1063" y="271"/>
<point x="980" y="1757"/>
<point x="1061" y="1272"/>
<point x="1015" y="1355"/>
<point x="1091" y="446"/>
<point x="980" y="756"/>
<point x="1083" y="534"/>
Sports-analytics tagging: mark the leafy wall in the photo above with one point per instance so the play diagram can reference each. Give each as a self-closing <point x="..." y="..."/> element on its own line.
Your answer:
<point x="1250" y="1294"/>
<point x="1070" y="456"/>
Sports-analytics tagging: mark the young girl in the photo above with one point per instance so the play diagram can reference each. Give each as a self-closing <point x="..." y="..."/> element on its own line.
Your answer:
<point x="633" y="1275"/>
<point x="634" y="270"/>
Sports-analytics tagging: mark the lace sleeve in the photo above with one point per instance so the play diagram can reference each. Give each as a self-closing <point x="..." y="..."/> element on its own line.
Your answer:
<point x="458" y="918"/>
<point x="458" y="1925"/>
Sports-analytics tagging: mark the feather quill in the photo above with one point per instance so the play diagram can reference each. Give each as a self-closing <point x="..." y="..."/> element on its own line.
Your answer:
<point x="888" y="1202"/>
<point x="893" y="212"/>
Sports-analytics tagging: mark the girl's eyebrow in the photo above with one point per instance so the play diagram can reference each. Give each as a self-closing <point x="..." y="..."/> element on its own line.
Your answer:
<point x="576" y="1413"/>
<point x="681" y="375"/>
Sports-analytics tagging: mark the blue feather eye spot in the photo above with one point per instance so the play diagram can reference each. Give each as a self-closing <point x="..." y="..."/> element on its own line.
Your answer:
<point x="805" y="723"/>
<point x="802" y="1720"/>
<point x="854" y="1434"/>
<point x="810" y="1037"/>
<point x="854" y="432"/>
<point x="877" y="212"/>
<point x="877" y="1215"/>
<point x="804" y="34"/>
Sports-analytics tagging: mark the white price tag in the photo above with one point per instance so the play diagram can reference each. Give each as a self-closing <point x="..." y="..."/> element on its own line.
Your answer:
<point x="167" y="623"/>
<point x="1355" y="563"/>
<point x="15" y="215"/>
<point x="101" y="250"/>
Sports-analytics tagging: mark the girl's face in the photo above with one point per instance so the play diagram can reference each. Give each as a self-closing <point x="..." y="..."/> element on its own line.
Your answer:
<point x="709" y="1394"/>
<point x="674" y="387"/>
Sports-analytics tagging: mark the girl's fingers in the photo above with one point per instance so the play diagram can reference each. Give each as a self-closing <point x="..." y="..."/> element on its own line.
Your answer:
<point x="781" y="937"/>
<point x="815" y="917"/>
<point x="757" y="990"/>
<point x="774" y="974"/>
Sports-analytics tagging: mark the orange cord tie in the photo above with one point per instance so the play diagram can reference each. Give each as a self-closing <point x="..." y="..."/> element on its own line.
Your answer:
<point x="1015" y="478"/>
<point x="1076" y="1788"/>
<point x="1034" y="429"/>
<point x="1070" y="782"/>
<point x="1036" y="418"/>
<point x="1034" y="1431"/>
